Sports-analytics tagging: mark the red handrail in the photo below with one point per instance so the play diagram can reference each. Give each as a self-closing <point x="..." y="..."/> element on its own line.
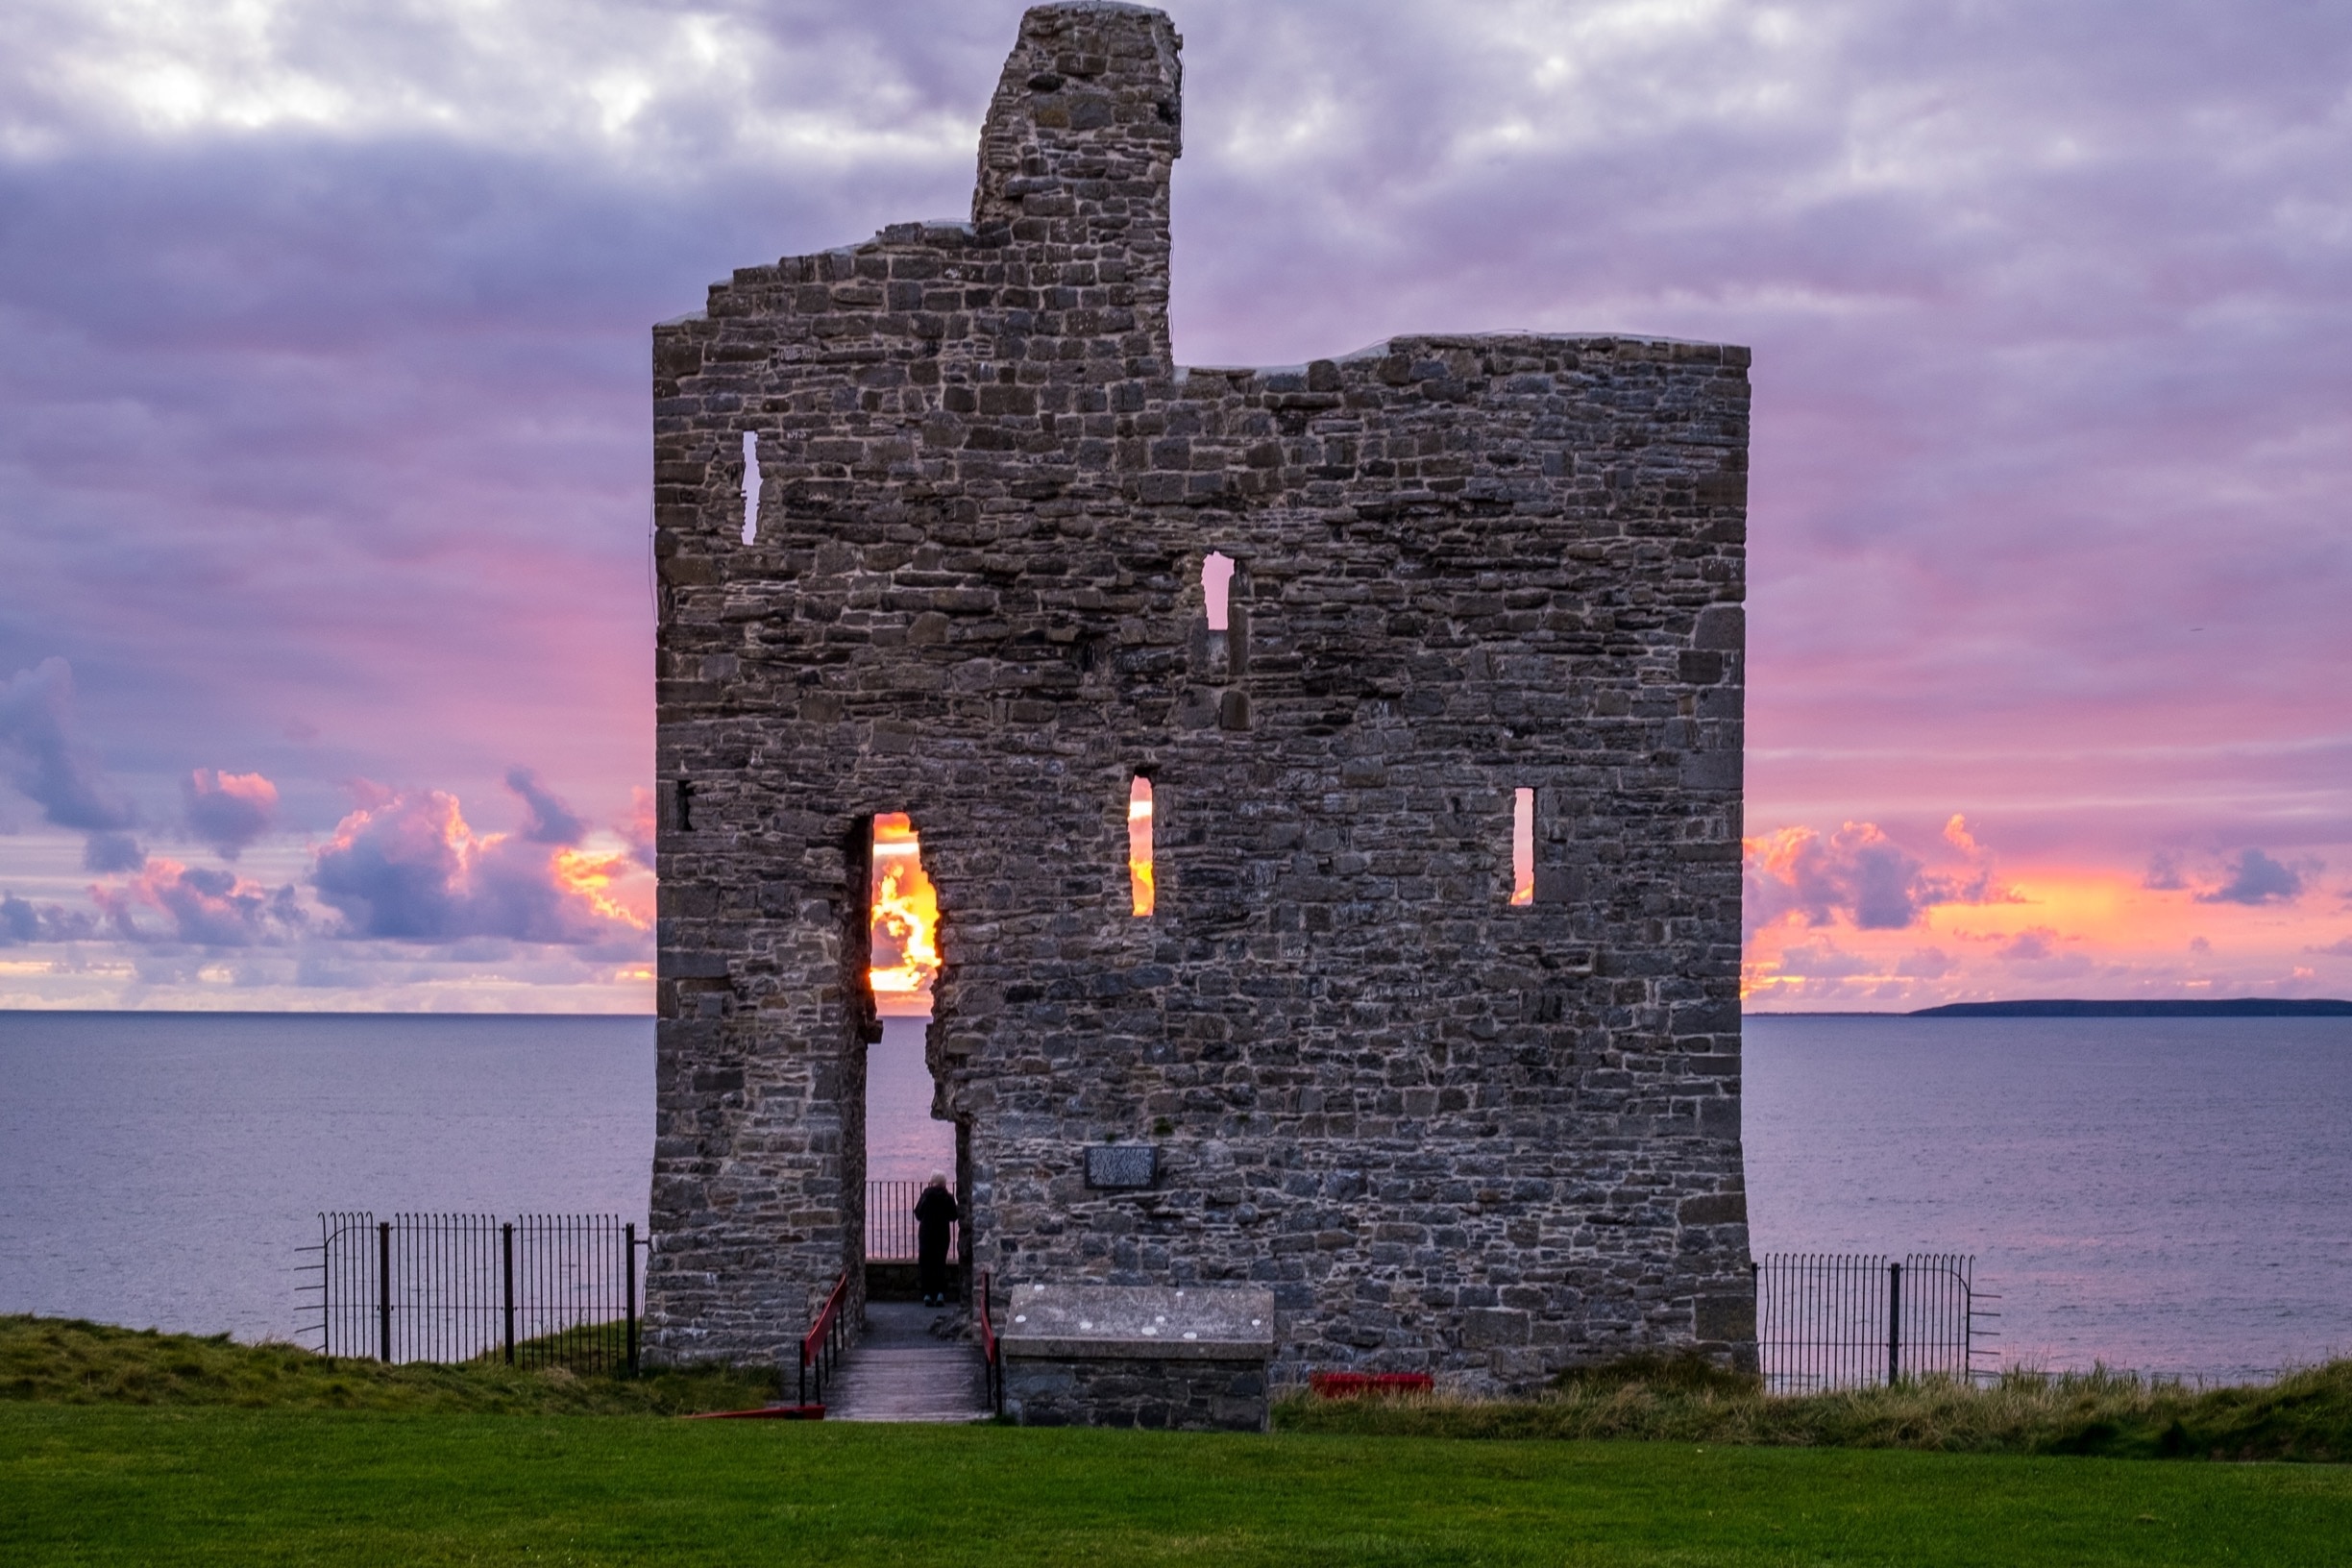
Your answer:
<point x="822" y="1341"/>
<point x="992" y="1366"/>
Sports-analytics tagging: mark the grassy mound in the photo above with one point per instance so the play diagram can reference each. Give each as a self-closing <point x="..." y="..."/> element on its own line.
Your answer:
<point x="65" y="1361"/>
<point x="2304" y="1415"/>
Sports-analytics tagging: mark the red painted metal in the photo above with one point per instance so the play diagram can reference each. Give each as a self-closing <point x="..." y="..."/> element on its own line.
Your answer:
<point x="992" y="1363"/>
<point x="823" y="1343"/>
<point x="1357" y="1385"/>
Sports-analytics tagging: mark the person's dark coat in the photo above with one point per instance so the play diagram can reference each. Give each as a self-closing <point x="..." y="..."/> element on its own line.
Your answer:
<point x="934" y="1211"/>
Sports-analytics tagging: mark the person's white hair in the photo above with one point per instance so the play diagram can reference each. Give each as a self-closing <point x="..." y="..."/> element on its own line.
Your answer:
<point x="938" y="1178"/>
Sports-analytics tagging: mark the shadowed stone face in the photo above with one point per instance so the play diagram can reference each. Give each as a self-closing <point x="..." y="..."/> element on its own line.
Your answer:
<point x="1446" y="1132"/>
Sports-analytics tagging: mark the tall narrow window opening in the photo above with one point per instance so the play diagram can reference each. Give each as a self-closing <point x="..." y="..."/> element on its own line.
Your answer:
<point x="750" y="487"/>
<point x="903" y="1144"/>
<point x="1139" y="846"/>
<point x="903" y="922"/>
<point x="1522" y="846"/>
<point x="1216" y="587"/>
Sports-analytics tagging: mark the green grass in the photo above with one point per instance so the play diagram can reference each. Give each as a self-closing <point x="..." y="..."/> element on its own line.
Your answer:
<point x="2304" y="1415"/>
<point x="66" y="1362"/>
<point x="188" y="1484"/>
<point x="125" y="1447"/>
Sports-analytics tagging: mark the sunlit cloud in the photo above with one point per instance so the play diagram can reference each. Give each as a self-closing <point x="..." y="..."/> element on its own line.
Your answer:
<point x="406" y="866"/>
<point x="229" y="811"/>
<point x="203" y="906"/>
<point x="1857" y="874"/>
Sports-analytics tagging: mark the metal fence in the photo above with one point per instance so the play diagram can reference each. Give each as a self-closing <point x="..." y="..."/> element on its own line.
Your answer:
<point x="535" y="1290"/>
<point x="1838" y="1321"/>
<point x="890" y="1223"/>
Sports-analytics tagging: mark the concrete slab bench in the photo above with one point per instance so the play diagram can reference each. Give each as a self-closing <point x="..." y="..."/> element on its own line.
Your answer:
<point x="1193" y="1359"/>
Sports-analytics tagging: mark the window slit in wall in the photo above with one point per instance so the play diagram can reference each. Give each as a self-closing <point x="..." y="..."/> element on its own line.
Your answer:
<point x="1522" y="846"/>
<point x="1216" y="587"/>
<point x="903" y="922"/>
<point x="1140" y="880"/>
<point x="750" y="487"/>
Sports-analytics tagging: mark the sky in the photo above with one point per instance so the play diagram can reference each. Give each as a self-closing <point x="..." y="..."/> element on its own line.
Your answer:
<point x="325" y="613"/>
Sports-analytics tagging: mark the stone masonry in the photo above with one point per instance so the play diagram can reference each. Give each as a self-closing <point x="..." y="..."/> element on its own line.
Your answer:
<point x="1447" y="1131"/>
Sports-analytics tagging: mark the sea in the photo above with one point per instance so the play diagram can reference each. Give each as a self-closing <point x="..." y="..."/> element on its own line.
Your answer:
<point x="2163" y="1195"/>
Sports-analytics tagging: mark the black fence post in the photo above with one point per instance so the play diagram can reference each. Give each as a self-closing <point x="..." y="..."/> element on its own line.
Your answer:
<point x="383" y="1291"/>
<point x="506" y="1300"/>
<point x="628" y="1269"/>
<point x="1893" y="1324"/>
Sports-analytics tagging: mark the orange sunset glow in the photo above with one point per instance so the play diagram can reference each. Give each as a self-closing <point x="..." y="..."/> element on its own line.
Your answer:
<point x="1973" y="931"/>
<point x="1140" y="846"/>
<point x="905" y="931"/>
<point x="589" y="876"/>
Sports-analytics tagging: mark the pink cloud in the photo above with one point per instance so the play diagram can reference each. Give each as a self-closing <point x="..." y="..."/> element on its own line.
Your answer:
<point x="1858" y="875"/>
<point x="638" y="831"/>
<point x="406" y="866"/>
<point x="208" y="907"/>
<point x="229" y="811"/>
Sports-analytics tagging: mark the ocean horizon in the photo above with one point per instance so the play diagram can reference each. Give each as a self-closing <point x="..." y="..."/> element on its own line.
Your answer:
<point x="2163" y="1195"/>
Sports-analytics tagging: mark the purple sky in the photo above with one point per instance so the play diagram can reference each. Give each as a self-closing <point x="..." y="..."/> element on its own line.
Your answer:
<point x="324" y="432"/>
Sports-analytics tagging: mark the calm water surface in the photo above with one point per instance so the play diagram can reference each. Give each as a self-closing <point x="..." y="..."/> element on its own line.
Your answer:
<point x="2167" y="1194"/>
<point x="2163" y="1195"/>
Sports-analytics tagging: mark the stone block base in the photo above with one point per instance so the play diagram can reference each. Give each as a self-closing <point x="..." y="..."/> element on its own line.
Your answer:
<point x="1188" y="1395"/>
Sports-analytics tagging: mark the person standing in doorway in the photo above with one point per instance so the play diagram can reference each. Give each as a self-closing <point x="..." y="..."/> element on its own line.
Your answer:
<point x="934" y="1211"/>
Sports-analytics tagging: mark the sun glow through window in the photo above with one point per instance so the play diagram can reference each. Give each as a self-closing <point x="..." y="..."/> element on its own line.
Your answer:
<point x="903" y="922"/>
<point x="1522" y="846"/>
<point x="1139" y="846"/>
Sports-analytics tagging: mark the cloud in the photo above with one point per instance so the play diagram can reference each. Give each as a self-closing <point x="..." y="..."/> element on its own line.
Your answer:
<point x="2339" y="948"/>
<point x="2163" y="873"/>
<point x="2256" y="879"/>
<point x="638" y="831"/>
<point x="2035" y="945"/>
<point x="406" y="866"/>
<point x="550" y="821"/>
<point x="229" y="811"/>
<point x="1858" y="874"/>
<point x="48" y="765"/>
<point x="206" y="907"/>
<point x="112" y="853"/>
<point x="22" y="922"/>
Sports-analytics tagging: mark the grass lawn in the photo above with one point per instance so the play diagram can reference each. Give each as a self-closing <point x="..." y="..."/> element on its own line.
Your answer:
<point x="104" y="1483"/>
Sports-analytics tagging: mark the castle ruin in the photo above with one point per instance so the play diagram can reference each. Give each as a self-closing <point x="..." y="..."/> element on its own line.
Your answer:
<point x="1452" y="1120"/>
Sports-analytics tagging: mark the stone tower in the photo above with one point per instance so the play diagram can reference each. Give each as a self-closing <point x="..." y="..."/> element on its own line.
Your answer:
<point x="1450" y="1131"/>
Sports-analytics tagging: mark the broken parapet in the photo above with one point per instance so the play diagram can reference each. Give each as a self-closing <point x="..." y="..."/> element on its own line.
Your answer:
<point x="1138" y="1356"/>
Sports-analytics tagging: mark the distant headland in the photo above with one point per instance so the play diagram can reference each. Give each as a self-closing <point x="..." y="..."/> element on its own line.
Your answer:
<point x="2232" y="1007"/>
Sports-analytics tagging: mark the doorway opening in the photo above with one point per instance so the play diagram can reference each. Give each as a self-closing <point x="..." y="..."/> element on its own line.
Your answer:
<point x="904" y="1145"/>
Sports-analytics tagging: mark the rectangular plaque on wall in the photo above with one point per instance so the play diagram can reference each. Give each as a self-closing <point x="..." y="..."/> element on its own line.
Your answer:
<point x="1121" y="1165"/>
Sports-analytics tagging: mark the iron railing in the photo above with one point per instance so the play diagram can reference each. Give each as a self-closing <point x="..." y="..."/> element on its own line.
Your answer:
<point x="992" y="1358"/>
<point x="890" y="1223"/>
<point x="1841" y="1321"/>
<point x="822" y="1347"/>
<point x="536" y="1291"/>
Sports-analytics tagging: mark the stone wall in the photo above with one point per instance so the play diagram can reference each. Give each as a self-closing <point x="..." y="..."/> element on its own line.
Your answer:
<point x="1450" y="1133"/>
<point x="1154" y="1394"/>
